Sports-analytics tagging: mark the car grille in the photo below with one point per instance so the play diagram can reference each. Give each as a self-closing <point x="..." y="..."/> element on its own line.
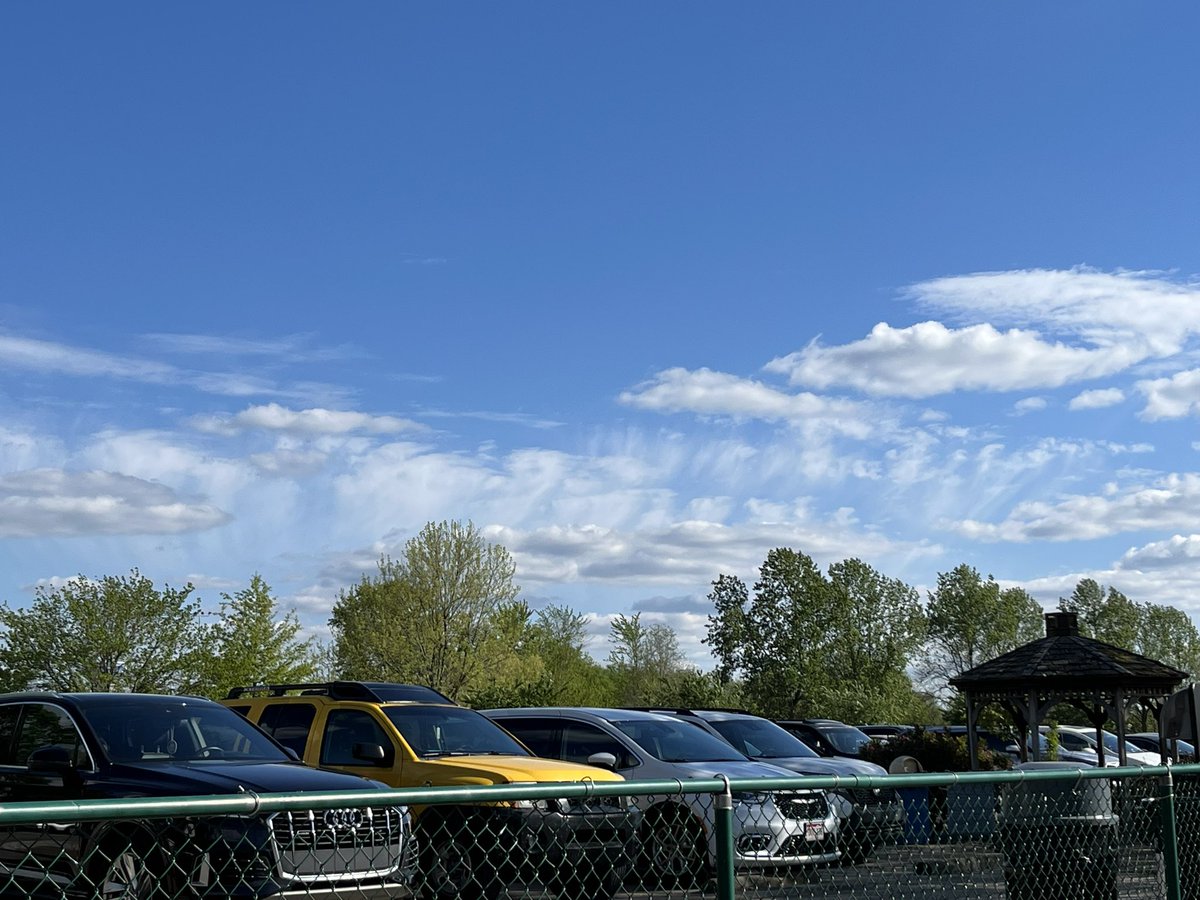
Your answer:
<point x="802" y="804"/>
<point x="872" y="796"/>
<point x="338" y="844"/>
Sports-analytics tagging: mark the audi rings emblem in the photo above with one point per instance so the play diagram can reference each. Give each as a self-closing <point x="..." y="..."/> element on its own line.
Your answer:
<point x="343" y="819"/>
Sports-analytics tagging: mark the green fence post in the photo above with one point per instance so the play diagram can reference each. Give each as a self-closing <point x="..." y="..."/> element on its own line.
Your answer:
<point x="1170" y="840"/>
<point x="724" y="825"/>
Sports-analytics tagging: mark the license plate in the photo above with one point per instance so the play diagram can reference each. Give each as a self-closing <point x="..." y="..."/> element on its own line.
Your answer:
<point x="814" y="831"/>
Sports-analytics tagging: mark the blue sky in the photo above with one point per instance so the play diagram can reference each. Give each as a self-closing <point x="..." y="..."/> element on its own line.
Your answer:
<point x="642" y="290"/>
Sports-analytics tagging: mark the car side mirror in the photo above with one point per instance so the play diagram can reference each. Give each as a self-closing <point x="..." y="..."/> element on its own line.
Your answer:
<point x="603" y="759"/>
<point x="370" y="753"/>
<point x="51" y="759"/>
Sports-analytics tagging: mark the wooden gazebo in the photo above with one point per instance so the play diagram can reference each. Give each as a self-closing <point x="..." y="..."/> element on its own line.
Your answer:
<point x="1101" y="680"/>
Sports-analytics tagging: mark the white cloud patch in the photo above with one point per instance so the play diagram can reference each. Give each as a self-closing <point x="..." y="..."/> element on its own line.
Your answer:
<point x="1029" y="405"/>
<point x="310" y="422"/>
<point x="53" y="502"/>
<point x="928" y="359"/>
<point x="1021" y="330"/>
<point x="708" y="393"/>
<point x="1097" y="399"/>
<point x="1169" y="503"/>
<point x="1171" y="398"/>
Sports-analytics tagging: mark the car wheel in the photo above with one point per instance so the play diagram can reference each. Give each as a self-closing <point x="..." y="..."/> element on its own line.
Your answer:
<point x="129" y="868"/>
<point x="453" y="864"/>
<point x="673" y="846"/>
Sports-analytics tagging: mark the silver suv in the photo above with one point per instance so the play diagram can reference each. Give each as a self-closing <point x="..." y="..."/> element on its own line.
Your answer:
<point x="868" y="816"/>
<point x="771" y="828"/>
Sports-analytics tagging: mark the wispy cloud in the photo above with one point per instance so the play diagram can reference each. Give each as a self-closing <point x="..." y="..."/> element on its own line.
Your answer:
<point x="273" y="417"/>
<point x="289" y="348"/>
<point x="1168" y="503"/>
<point x="1029" y="405"/>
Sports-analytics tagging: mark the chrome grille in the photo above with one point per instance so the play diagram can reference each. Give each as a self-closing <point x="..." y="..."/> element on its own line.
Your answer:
<point x="802" y="804"/>
<point x="342" y="844"/>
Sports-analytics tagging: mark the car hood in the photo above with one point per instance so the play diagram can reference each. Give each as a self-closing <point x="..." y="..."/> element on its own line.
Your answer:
<point x="840" y="765"/>
<point x="516" y="769"/>
<point x="230" y="777"/>
<point x="731" y="769"/>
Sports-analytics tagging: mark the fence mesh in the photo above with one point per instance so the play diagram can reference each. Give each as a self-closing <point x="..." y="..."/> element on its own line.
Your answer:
<point x="1068" y="837"/>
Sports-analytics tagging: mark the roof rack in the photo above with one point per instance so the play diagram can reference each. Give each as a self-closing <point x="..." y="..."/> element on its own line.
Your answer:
<point x="366" y="691"/>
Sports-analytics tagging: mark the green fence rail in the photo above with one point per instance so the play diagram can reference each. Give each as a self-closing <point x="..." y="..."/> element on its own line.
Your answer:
<point x="1062" y="833"/>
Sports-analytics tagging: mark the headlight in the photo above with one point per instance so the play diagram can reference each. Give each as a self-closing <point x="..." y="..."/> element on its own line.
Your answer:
<point x="750" y="798"/>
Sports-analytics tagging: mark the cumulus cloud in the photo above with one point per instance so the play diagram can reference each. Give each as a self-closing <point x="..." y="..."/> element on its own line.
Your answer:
<point x="53" y="502"/>
<point x="1028" y="405"/>
<point x="1097" y="399"/>
<point x="1171" y="398"/>
<point x="311" y="422"/>
<point x="710" y="393"/>
<point x="1020" y="330"/>
<point x="1169" y="503"/>
<point x="927" y="359"/>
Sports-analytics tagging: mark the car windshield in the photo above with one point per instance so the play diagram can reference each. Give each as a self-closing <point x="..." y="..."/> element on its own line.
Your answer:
<point x="172" y="729"/>
<point x="677" y="742"/>
<point x="433" y="731"/>
<point x="846" y="738"/>
<point x="760" y="739"/>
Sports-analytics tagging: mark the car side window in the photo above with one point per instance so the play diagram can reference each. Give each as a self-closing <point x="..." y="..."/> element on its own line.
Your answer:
<point x="1073" y="741"/>
<point x="581" y="741"/>
<point x="542" y="736"/>
<point x="344" y="728"/>
<point x="289" y="724"/>
<point x="45" y="730"/>
<point x="8" y="728"/>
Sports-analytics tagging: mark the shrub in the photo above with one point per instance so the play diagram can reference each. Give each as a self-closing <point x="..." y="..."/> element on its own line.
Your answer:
<point x="936" y="751"/>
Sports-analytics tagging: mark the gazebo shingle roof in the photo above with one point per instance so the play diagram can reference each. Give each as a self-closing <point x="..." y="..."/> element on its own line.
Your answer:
<point x="1066" y="659"/>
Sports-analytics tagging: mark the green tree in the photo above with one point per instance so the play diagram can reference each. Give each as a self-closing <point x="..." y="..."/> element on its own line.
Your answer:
<point x="642" y="658"/>
<point x="808" y="644"/>
<point x="114" y="633"/>
<point x="424" y="616"/>
<point x="971" y="620"/>
<point x="252" y="644"/>
<point x="1107" y="616"/>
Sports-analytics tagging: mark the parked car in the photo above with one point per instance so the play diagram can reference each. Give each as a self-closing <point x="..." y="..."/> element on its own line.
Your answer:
<point x="1148" y="740"/>
<point x="987" y="739"/>
<point x="1081" y="739"/>
<point x="883" y="732"/>
<point x="828" y="737"/>
<point x="75" y="746"/>
<point x="867" y="817"/>
<point x="1065" y="754"/>
<point x="771" y="828"/>
<point x="413" y="736"/>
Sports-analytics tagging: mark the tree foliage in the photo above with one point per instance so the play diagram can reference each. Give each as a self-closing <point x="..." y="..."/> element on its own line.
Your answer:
<point x="971" y="620"/>
<point x="251" y="644"/>
<point x="115" y="633"/>
<point x="424" y="616"/>
<point x="808" y="644"/>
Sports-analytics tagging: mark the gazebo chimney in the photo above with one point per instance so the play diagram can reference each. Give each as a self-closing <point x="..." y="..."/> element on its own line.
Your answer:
<point x="1062" y="624"/>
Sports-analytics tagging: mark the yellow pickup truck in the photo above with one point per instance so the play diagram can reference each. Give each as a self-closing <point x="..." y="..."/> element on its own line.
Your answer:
<point x="413" y="736"/>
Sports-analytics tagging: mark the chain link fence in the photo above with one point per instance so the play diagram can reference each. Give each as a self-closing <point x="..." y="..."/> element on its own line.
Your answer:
<point x="1062" y="833"/>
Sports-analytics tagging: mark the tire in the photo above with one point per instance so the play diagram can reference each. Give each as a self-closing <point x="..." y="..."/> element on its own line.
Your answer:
<point x="130" y="867"/>
<point x="673" y="847"/>
<point x="453" y="863"/>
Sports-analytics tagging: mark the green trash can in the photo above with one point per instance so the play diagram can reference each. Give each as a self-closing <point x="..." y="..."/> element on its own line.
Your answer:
<point x="1058" y="838"/>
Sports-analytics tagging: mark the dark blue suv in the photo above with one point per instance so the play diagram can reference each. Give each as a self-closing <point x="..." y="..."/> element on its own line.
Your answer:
<point x="95" y="746"/>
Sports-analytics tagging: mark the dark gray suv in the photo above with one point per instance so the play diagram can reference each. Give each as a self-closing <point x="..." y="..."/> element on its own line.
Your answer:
<point x="868" y="816"/>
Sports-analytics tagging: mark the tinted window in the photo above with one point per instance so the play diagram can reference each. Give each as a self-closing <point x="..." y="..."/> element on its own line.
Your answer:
<point x="846" y="738"/>
<point x="344" y="728"/>
<point x="542" y="736"/>
<point x="674" y="741"/>
<point x="451" y="731"/>
<point x="581" y="740"/>
<point x="760" y="739"/>
<point x="44" y="727"/>
<point x="289" y="723"/>
<point x="163" y="729"/>
<point x="8" y="729"/>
